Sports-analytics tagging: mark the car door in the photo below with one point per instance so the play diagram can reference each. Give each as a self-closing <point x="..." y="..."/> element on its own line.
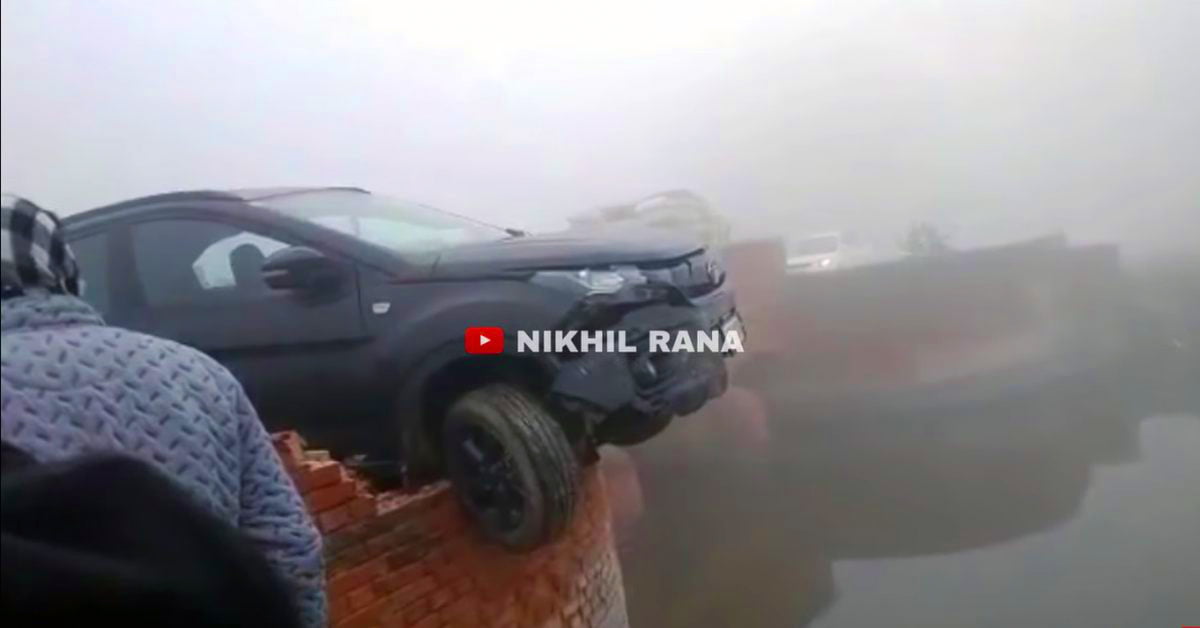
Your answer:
<point x="199" y="282"/>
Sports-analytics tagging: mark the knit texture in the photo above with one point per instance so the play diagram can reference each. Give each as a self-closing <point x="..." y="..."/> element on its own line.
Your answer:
<point x="72" y="385"/>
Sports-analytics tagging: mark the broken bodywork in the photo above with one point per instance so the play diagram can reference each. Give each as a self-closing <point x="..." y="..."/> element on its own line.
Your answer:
<point x="627" y="397"/>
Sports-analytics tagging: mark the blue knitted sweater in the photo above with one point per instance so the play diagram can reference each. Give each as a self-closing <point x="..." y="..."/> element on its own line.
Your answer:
<point x="71" y="385"/>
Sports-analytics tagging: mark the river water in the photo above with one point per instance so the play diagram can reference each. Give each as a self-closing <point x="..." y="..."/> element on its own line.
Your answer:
<point x="1070" y="505"/>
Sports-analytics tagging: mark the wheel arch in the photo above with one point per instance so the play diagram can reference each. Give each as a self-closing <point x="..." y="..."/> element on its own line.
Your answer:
<point x="441" y="381"/>
<point x="423" y="350"/>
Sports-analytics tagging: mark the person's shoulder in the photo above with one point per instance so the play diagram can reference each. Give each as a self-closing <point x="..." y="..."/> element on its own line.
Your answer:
<point x="172" y="354"/>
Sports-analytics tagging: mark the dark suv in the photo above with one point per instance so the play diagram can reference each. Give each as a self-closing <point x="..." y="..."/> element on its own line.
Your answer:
<point x="343" y="314"/>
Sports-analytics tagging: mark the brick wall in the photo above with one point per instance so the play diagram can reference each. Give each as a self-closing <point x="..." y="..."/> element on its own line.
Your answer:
<point x="415" y="559"/>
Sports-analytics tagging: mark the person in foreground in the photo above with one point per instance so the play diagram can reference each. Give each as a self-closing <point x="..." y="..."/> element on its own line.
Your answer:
<point x="73" y="386"/>
<point x="106" y="538"/>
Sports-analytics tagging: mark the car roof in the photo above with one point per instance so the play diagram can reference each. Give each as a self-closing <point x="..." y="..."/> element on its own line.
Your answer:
<point x="262" y="194"/>
<point x="243" y="203"/>
<point x="242" y="197"/>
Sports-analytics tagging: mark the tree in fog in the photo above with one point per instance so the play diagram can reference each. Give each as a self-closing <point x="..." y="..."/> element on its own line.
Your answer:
<point x="924" y="238"/>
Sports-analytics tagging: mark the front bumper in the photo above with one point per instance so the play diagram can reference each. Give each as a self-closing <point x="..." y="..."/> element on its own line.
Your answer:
<point x="635" y="386"/>
<point x="701" y="377"/>
<point x="609" y="382"/>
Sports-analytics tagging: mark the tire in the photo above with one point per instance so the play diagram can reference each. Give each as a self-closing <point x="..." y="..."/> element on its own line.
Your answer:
<point x="512" y="466"/>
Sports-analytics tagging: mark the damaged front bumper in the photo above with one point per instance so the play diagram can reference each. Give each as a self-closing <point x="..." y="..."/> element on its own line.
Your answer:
<point x="639" y="392"/>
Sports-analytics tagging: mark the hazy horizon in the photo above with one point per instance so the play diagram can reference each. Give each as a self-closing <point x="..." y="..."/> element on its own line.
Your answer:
<point x="995" y="120"/>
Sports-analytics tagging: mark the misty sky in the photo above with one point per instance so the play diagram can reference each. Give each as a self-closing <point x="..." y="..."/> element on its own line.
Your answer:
<point x="994" y="119"/>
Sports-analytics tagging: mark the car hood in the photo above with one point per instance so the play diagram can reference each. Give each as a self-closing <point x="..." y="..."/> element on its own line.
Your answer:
<point x="566" y="250"/>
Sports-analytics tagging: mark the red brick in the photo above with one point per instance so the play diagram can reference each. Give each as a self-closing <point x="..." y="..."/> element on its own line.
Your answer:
<point x="407" y="555"/>
<point x="317" y="455"/>
<point x="559" y="571"/>
<point x="437" y="556"/>
<point x="539" y="608"/>
<point x="415" y="612"/>
<point x="363" y="506"/>
<point x="407" y="573"/>
<point x="382" y="544"/>
<point x="389" y="519"/>
<point x="463" y="586"/>
<point x="323" y="499"/>
<point x="340" y="584"/>
<point x="313" y="475"/>
<point x="361" y="597"/>
<point x="508" y="616"/>
<point x="331" y="520"/>
<point x="349" y="559"/>
<point x="363" y="618"/>
<point x="339" y="608"/>
<point x="416" y="565"/>
<point x="430" y="621"/>
<point x="540" y="598"/>
<point x="450" y="572"/>
<point x="463" y="610"/>
<point x="290" y="448"/>
<point x="440" y="598"/>
<point x="346" y="537"/>
<point x="414" y="590"/>
<point x="346" y="581"/>
<point x="572" y="606"/>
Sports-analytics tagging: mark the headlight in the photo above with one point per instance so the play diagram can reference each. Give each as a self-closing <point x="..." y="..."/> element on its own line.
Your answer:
<point x="825" y="263"/>
<point x="592" y="281"/>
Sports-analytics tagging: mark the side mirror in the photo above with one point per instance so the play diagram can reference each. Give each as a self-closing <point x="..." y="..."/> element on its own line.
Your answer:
<point x="301" y="268"/>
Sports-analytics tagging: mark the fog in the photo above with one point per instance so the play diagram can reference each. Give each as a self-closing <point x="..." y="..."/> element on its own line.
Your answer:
<point x="989" y="437"/>
<point x="996" y="121"/>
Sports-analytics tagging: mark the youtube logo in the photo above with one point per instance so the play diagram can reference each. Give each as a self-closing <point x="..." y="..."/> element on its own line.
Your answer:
<point x="482" y="340"/>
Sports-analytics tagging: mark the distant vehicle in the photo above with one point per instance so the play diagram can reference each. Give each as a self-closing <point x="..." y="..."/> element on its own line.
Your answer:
<point x="343" y="315"/>
<point x="678" y="211"/>
<point x="825" y="252"/>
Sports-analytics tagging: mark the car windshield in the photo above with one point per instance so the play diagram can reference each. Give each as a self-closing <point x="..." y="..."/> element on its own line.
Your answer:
<point x="815" y="246"/>
<point x="402" y="226"/>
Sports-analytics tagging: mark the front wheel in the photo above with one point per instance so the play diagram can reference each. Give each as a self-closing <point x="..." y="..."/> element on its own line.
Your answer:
<point x="511" y="464"/>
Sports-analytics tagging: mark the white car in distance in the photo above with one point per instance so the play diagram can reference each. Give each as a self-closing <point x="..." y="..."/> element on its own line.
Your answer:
<point x="824" y="252"/>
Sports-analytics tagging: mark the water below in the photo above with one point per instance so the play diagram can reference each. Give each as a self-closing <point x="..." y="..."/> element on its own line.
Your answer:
<point x="1074" y="506"/>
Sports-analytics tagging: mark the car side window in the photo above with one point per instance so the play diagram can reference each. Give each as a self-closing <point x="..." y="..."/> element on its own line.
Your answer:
<point x="92" y="255"/>
<point x="199" y="262"/>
